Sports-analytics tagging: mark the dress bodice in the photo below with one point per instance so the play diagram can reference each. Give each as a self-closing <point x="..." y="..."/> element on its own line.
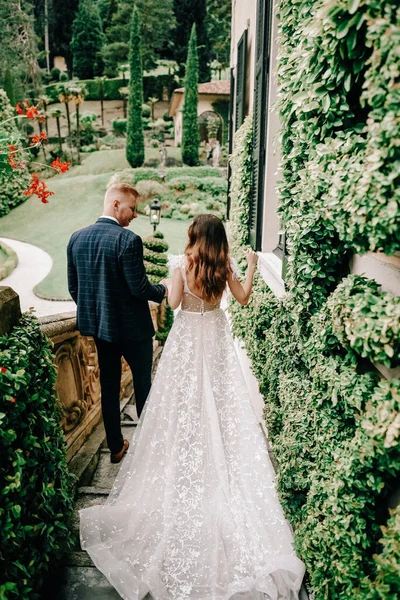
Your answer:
<point x="190" y="301"/>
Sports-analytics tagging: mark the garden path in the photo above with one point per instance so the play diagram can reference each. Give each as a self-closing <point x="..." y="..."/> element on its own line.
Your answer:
<point x="33" y="266"/>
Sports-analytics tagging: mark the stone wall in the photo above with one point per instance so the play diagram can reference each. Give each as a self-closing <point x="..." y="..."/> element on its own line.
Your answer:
<point x="78" y="377"/>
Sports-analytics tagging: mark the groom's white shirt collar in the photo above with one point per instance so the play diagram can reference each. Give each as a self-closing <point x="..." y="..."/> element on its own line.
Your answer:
<point x="112" y="218"/>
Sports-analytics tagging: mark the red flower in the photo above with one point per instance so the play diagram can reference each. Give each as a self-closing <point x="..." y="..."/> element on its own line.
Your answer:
<point x="3" y="370"/>
<point x="19" y="109"/>
<point x="14" y="164"/>
<point x="37" y="138"/>
<point x="32" y="112"/>
<point x="59" y="166"/>
<point x="12" y="399"/>
<point x="39" y="189"/>
<point x="11" y="157"/>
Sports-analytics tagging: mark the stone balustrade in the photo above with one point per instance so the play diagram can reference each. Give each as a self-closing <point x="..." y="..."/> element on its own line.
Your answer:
<point x="78" y="376"/>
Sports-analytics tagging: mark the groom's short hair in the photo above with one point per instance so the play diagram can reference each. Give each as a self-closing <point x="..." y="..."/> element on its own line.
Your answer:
<point x="123" y="188"/>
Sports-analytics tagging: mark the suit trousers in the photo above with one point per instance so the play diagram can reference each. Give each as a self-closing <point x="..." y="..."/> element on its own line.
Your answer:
<point x="139" y="356"/>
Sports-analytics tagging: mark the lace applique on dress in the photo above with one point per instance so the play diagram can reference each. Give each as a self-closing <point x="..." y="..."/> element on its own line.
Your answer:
<point x="235" y="269"/>
<point x="175" y="261"/>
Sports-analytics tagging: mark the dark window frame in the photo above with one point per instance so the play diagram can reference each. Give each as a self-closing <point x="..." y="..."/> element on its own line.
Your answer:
<point x="230" y="143"/>
<point x="260" y="121"/>
<point x="241" y="76"/>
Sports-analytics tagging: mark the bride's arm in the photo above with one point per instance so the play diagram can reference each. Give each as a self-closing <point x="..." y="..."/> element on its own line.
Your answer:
<point x="175" y="289"/>
<point x="240" y="291"/>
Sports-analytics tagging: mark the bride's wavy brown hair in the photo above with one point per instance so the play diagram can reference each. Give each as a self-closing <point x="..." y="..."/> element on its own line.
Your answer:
<point x="208" y="254"/>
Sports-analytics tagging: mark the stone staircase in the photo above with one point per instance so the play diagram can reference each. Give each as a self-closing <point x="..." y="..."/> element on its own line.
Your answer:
<point x="77" y="578"/>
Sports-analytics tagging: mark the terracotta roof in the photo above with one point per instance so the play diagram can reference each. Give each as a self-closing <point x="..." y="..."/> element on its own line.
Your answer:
<point x="212" y="87"/>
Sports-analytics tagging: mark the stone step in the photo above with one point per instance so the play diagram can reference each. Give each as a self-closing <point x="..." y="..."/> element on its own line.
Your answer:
<point x="94" y="497"/>
<point x="77" y="558"/>
<point x="79" y="583"/>
<point x="130" y="413"/>
<point x="84" y="463"/>
<point x="303" y="595"/>
<point x="128" y="429"/>
<point x="90" y="489"/>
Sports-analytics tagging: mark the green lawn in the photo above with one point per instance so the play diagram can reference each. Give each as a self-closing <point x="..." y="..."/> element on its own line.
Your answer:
<point x="77" y="202"/>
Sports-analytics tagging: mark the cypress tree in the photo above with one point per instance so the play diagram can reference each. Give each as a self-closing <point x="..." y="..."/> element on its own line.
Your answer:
<point x="190" y="128"/>
<point x="87" y="40"/>
<point x="135" y="138"/>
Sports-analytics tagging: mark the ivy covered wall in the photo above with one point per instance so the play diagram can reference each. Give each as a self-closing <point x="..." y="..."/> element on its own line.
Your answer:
<point x="333" y="422"/>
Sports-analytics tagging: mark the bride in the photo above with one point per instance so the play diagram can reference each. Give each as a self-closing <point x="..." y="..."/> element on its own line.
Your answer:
<point x="193" y="513"/>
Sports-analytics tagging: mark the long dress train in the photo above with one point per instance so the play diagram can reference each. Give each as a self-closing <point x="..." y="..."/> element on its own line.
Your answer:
<point x="193" y="513"/>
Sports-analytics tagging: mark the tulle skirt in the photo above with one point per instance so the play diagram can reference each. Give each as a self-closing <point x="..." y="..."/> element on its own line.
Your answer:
<point x="193" y="513"/>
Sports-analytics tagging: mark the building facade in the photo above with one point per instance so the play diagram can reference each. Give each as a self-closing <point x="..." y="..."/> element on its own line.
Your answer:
<point x="254" y="90"/>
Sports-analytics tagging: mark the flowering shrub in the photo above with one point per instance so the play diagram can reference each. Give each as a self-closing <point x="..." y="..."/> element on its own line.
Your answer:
<point x="15" y="158"/>
<point x="12" y="183"/>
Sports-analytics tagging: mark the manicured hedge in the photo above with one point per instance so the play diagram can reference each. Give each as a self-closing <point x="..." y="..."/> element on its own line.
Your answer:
<point x="132" y="176"/>
<point x="153" y="86"/>
<point x="35" y="486"/>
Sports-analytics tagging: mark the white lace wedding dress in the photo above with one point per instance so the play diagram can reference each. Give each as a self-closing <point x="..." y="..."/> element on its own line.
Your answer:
<point x="193" y="513"/>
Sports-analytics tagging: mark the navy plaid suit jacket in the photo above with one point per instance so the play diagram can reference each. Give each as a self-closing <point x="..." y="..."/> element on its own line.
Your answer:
<point x="108" y="282"/>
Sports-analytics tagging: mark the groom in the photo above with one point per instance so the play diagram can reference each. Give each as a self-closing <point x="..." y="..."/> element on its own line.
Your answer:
<point x="108" y="282"/>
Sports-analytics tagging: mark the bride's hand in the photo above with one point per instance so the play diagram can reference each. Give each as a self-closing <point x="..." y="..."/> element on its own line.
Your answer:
<point x="252" y="259"/>
<point x="167" y="283"/>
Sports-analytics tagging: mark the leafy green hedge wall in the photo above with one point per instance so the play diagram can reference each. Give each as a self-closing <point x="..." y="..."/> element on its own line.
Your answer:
<point x="35" y="486"/>
<point x="333" y="423"/>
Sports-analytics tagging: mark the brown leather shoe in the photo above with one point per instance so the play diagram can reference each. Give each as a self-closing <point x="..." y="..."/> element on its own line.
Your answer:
<point x="116" y="458"/>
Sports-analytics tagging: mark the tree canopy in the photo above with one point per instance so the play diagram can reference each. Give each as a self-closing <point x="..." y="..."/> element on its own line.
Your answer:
<point x="87" y="41"/>
<point x="156" y="24"/>
<point x="188" y="12"/>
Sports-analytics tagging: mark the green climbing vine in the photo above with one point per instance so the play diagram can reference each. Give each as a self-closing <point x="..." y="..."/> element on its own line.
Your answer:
<point x="333" y="423"/>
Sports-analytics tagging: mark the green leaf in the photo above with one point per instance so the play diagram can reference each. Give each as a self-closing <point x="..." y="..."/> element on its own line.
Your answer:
<point x="352" y="6"/>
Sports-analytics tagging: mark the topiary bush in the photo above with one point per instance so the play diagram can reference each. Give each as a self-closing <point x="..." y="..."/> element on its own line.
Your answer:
<point x="55" y="74"/>
<point x="120" y="126"/>
<point x="35" y="485"/>
<point x="155" y="260"/>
